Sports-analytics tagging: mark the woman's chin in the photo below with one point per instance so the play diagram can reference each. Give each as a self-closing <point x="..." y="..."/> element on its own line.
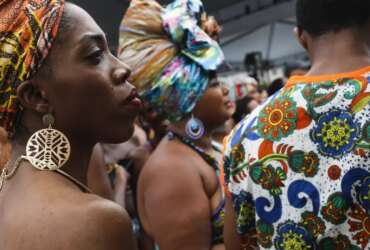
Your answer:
<point x="122" y="135"/>
<point x="227" y="115"/>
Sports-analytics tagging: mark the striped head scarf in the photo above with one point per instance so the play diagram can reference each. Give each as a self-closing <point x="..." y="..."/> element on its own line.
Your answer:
<point x="28" y="29"/>
<point x="171" y="53"/>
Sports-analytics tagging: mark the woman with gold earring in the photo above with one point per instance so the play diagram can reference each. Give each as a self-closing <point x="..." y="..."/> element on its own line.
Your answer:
<point x="61" y="92"/>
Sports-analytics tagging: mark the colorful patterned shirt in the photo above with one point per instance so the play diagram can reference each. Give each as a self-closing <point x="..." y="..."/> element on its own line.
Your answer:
<point x="298" y="168"/>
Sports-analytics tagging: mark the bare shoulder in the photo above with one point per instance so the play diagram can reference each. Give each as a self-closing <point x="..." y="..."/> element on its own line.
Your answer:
<point x="103" y="225"/>
<point x="172" y="170"/>
<point x="98" y="212"/>
<point x="182" y="202"/>
<point x="87" y="221"/>
<point x="168" y="157"/>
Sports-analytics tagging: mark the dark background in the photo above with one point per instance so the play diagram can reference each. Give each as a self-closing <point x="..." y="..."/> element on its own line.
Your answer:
<point x="109" y="13"/>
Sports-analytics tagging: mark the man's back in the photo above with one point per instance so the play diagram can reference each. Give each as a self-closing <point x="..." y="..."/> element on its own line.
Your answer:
<point x="298" y="168"/>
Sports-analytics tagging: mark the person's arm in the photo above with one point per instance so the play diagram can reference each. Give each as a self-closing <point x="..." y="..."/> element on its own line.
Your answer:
<point x="97" y="177"/>
<point x="176" y="206"/>
<point x="232" y="238"/>
<point x="120" y="187"/>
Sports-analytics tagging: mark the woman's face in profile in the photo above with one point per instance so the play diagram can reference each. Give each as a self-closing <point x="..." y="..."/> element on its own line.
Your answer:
<point x="215" y="106"/>
<point x="87" y="87"/>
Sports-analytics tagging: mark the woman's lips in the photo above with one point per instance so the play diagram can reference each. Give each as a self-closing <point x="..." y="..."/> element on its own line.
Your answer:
<point x="136" y="102"/>
<point x="133" y="100"/>
<point x="229" y="104"/>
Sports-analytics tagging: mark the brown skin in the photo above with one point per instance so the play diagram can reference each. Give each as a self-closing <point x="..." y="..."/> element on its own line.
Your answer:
<point x="336" y="52"/>
<point x="153" y="124"/>
<point x="5" y="148"/>
<point x="253" y="92"/>
<point x="263" y="95"/>
<point x="104" y="154"/>
<point x="97" y="178"/>
<point x="178" y="191"/>
<point x="232" y="240"/>
<point x="252" y="105"/>
<point x="86" y="92"/>
<point x="220" y="135"/>
<point x="346" y="50"/>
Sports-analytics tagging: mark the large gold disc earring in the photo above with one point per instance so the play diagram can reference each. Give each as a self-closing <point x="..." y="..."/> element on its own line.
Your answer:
<point x="48" y="149"/>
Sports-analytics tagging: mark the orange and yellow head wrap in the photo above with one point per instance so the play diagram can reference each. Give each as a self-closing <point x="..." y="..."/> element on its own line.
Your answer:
<point x="28" y="29"/>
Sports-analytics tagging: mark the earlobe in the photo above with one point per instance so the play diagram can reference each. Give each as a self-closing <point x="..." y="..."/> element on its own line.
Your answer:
<point x="31" y="97"/>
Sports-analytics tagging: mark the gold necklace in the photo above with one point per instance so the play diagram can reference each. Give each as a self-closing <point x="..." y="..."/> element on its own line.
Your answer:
<point x="74" y="180"/>
<point x="6" y="175"/>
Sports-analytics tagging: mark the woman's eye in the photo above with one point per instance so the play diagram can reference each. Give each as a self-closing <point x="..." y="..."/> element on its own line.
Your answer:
<point x="96" y="57"/>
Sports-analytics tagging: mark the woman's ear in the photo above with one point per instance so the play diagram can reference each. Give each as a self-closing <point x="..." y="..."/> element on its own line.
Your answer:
<point x="32" y="97"/>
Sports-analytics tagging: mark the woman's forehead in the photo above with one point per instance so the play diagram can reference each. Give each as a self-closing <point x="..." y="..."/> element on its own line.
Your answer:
<point x="83" y="24"/>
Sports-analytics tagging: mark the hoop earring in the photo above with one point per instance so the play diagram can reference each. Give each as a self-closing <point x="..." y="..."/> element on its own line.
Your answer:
<point x="194" y="128"/>
<point x="48" y="149"/>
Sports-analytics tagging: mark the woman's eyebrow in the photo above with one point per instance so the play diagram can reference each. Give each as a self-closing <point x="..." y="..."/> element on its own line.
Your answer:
<point x="92" y="38"/>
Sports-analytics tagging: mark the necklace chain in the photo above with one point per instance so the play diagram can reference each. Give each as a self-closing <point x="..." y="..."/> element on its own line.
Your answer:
<point x="74" y="180"/>
<point x="6" y="175"/>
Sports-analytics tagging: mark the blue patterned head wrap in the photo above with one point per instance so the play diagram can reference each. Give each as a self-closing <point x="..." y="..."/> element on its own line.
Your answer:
<point x="172" y="63"/>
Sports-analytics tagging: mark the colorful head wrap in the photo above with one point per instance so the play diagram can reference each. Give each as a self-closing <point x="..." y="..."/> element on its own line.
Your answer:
<point x="27" y="31"/>
<point x="170" y="53"/>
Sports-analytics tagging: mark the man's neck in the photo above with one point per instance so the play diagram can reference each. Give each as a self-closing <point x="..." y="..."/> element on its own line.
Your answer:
<point x="340" y="52"/>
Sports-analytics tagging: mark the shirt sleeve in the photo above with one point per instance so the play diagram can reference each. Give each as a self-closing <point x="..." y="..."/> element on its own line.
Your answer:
<point x="243" y="202"/>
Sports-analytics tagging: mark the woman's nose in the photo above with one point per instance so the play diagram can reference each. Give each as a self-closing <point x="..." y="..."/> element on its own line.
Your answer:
<point x="122" y="74"/>
<point x="225" y="90"/>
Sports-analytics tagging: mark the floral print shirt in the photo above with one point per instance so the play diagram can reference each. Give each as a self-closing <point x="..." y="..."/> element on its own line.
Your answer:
<point x="298" y="168"/>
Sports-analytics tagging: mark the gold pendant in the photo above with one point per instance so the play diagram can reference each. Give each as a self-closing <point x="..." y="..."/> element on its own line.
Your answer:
<point x="48" y="149"/>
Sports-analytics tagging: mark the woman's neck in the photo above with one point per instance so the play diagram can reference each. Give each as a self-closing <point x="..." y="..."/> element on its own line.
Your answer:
<point x="78" y="163"/>
<point x="205" y="142"/>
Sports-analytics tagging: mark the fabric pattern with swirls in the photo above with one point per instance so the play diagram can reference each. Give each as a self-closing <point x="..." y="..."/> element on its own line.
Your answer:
<point x="303" y="161"/>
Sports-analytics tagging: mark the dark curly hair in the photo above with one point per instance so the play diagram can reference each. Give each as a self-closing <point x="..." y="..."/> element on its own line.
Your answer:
<point x="318" y="17"/>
